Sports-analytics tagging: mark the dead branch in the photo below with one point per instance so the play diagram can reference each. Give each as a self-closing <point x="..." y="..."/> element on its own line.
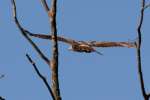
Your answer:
<point x="25" y="35"/>
<point x="139" y="63"/>
<point x="41" y="76"/>
<point x="54" y="60"/>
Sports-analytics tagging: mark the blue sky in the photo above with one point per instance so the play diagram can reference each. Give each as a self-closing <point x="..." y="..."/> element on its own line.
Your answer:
<point x="112" y="76"/>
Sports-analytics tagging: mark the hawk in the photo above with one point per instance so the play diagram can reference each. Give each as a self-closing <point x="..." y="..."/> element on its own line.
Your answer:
<point x="83" y="47"/>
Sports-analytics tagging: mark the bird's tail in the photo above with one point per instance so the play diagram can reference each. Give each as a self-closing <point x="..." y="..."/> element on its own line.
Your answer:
<point x="98" y="52"/>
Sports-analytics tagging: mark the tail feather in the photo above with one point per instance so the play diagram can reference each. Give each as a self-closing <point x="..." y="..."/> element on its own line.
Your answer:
<point x="98" y="52"/>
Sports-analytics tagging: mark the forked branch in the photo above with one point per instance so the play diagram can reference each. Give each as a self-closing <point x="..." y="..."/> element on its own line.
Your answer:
<point x="41" y="76"/>
<point x="25" y="35"/>
<point x="139" y="63"/>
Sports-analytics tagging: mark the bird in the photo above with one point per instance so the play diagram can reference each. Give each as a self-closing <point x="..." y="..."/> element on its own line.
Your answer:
<point x="83" y="47"/>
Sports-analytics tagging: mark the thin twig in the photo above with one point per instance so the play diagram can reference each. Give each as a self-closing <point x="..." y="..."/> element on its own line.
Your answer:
<point x="54" y="61"/>
<point x="25" y="35"/>
<point x="41" y="76"/>
<point x="92" y="43"/>
<point x="145" y="95"/>
<point x="45" y="5"/>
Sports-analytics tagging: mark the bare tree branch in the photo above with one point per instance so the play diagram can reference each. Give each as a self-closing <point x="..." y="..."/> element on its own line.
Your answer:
<point x="41" y="76"/>
<point x="54" y="61"/>
<point x="45" y="5"/>
<point x="25" y="35"/>
<point x="139" y="63"/>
